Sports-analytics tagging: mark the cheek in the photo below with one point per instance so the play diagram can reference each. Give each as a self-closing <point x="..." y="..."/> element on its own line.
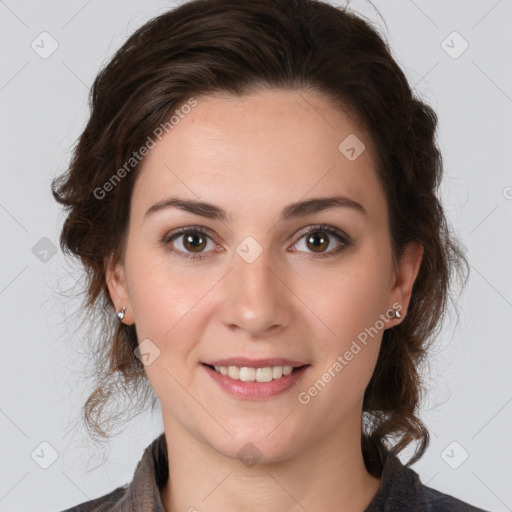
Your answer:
<point x="166" y="308"/>
<point x="351" y="306"/>
<point x="161" y="294"/>
<point x="347" y="298"/>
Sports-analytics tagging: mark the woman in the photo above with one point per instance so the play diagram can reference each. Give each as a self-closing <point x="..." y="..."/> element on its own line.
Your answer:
<point x="255" y="201"/>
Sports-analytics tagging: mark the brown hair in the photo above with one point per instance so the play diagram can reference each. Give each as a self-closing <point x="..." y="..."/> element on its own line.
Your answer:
<point x="232" y="46"/>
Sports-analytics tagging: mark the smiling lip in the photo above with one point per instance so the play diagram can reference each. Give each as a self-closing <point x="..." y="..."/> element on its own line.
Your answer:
<point x="256" y="390"/>
<point x="255" y="363"/>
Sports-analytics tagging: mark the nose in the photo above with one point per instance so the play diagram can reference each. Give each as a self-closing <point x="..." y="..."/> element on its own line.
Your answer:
<point x="256" y="298"/>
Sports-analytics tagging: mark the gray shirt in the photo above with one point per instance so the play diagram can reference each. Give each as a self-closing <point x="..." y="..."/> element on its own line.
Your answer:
<point x="400" y="489"/>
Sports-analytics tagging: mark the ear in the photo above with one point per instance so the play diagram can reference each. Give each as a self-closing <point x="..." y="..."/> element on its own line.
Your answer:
<point x="404" y="277"/>
<point x="116" y="281"/>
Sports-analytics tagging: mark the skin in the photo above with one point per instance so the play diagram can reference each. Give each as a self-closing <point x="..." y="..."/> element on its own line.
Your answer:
<point x="253" y="155"/>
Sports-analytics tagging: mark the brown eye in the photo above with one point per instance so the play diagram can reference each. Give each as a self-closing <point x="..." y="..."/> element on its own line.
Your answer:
<point x="318" y="241"/>
<point x="189" y="242"/>
<point x="321" y="241"/>
<point x="194" y="242"/>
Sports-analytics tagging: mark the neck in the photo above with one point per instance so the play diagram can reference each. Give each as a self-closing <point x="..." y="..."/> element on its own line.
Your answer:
<point x="327" y="475"/>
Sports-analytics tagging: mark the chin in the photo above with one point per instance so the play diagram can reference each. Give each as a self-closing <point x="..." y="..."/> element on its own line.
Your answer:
<point x="257" y="448"/>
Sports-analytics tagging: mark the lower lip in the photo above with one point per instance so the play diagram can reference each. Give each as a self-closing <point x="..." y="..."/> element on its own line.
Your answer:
<point x="256" y="390"/>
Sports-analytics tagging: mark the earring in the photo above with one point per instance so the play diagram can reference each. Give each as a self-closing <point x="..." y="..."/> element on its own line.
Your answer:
<point x="397" y="313"/>
<point x="120" y="314"/>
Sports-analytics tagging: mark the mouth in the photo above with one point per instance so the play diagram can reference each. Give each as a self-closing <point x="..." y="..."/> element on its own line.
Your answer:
<point x="261" y="381"/>
<point x="252" y="374"/>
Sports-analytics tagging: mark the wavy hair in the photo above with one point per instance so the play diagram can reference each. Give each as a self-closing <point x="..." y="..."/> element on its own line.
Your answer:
<point x="233" y="46"/>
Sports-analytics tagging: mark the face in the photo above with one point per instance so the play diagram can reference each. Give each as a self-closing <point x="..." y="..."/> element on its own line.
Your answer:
<point x="265" y="281"/>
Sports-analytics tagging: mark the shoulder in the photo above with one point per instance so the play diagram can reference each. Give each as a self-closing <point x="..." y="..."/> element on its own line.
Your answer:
<point x="402" y="490"/>
<point x="143" y="492"/>
<point x="101" y="504"/>
<point x="437" y="501"/>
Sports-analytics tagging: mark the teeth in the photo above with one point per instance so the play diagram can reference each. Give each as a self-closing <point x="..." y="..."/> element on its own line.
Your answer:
<point x="247" y="374"/>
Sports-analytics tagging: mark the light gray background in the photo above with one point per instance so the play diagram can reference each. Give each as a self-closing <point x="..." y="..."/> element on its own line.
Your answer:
<point x="43" y="106"/>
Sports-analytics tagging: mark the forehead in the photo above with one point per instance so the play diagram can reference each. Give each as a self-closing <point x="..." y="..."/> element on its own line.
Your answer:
<point x="267" y="147"/>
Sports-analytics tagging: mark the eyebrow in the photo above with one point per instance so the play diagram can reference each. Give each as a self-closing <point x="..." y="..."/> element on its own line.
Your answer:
<point x="294" y="210"/>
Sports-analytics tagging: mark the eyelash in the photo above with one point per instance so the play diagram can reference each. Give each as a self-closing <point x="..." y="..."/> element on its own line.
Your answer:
<point x="323" y="228"/>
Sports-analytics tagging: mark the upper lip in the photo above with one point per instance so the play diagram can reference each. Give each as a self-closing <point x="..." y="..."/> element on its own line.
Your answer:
<point x="255" y="363"/>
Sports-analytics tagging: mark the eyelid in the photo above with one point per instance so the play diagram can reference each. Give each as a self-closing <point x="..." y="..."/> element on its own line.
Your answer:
<point x="320" y="227"/>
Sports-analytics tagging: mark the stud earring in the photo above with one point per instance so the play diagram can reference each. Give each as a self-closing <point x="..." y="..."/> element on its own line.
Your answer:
<point x="397" y="313"/>
<point x="120" y="314"/>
